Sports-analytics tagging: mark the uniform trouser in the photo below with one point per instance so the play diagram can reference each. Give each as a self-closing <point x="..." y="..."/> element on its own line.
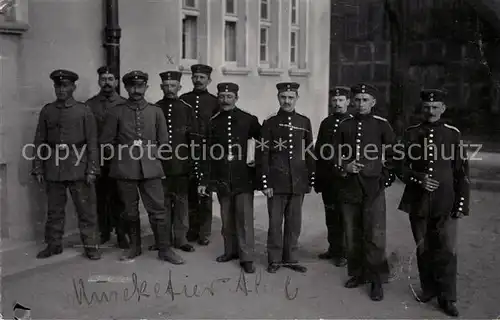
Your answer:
<point x="109" y="206"/>
<point x="83" y="196"/>
<point x="237" y="225"/>
<point x="365" y="227"/>
<point x="282" y="245"/>
<point x="334" y="224"/>
<point x="200" y="212"/>
<point x="151" y="193"/>
<point x="436" y="240"/>
<point x="177" y="204"/>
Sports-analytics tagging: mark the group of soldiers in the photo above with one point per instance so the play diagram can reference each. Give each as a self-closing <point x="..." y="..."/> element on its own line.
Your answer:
<point x="177" y="191"/>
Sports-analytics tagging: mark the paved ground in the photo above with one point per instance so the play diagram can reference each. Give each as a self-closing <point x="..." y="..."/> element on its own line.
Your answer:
<point x="143" y="289"/>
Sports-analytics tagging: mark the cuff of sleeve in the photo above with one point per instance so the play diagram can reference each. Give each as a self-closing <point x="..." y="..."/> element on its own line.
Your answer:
<point x="312" y="179"/>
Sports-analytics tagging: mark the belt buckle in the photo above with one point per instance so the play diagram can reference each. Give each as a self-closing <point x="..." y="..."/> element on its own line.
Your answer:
<point x="137" y="142"/>
<point x="62" y="146"/>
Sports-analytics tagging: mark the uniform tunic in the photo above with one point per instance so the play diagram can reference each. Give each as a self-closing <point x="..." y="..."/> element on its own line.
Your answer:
<point x="368" y="139"/>
<point x="435" y="149"/>
<point x="65" y="131"/>
<point x="138" y="129"/>
<point x="108" y="203"/>
<point x="178" y="162"/>
<point x="327" y="182"/>
<point x="205" y="106"/>
<point x="287" y="166"/>
<point x="226" y="172"/>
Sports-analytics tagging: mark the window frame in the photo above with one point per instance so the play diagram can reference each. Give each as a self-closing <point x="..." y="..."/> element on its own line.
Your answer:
<point x="238" y="67"/>
<point x="231" y="14"/>
<point x="269" y="13"/>
<point x="186" y="7"/>
<point x="184" y="15"/>
<point x="235" y="21"/>
<point x="296" y="31"/>
<point x="264" y="26"/>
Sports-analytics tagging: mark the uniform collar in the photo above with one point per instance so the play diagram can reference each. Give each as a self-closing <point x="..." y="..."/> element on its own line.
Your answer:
<point x="137" y="105"/>
<point x="282" y="112"/>
<point x="66" y="104"/>
<point x="200" y="91"/>
<point x="340" y="115"/>
<point x="360" y="116"/>
<point x="111" y="98"/>
<point x="434" y="124"/>
<point x="169" y="99"/>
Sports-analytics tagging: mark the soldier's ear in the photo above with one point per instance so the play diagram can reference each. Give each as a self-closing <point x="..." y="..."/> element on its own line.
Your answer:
<point x="180" y="86"/>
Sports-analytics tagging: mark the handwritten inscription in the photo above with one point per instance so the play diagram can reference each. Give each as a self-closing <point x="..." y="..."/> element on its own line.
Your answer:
<point x="141" y="290"/>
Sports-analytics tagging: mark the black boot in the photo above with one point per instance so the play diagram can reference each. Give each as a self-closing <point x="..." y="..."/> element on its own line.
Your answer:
<point x="135" y="241"/>
<point x="164" y="243"/>
<point x="121" y="235"/>
<point x="50" y="250"/>
<point x="154" y="246"/>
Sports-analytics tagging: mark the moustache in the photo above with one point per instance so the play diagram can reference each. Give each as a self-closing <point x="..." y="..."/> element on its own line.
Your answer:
<point x="198" y="83"/>
<point x="107" y="86"/>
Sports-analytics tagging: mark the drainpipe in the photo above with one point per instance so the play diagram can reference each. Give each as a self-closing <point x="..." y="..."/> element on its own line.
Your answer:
<point x="112" y="35"/>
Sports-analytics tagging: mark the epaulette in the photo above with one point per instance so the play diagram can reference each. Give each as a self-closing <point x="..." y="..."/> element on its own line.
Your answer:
<point x="451" y="127"/>
<point x="380" y="118"/>
<point x="215" y="115"/>
<point x="300" y="114"/>
<point x="413" y="126"/>
<point x="187" y="104"/>
<point x="346" y="119"/>
<point x="271" y="115"/>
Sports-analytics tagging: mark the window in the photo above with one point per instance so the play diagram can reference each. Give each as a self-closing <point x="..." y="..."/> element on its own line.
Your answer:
<point x="294" y="37"/>
<point x="264" y="9"/>
<point x="264" y="44"/>
<point x="298" y="35"/>
<point x="190" y="4"/>
<point x="231" y="7"/>
<point x="189" y="37"/>
<point x="235" y="37"/>
<point x="230" y="41"/>
<point x="193" y="33"/>
<point x="294" y="11"/>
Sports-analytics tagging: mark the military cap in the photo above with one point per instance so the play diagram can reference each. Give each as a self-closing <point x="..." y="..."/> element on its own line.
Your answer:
<point x="106" y="69"/>
<point x="201" y="68"/>
<point x="171" y="75"/>
<point x="364" y="88"/>
<point x="287" y="86"/>
<point x="431" y="95"/>
<point x="228" y="87"/>
<point x="135" y="76"/>
<point x="340" y="91"/>
<point x="59" y="75"/>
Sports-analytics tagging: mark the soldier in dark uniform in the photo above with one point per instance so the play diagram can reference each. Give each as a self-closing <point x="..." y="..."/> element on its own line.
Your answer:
<point x="287" y="170"/>
<point x="109" y="206"/>
<point x="364" y="160"/>
<point x="177" y="164"/>
<point x="435" y="170"/>
<point x="326" y="181"/>
<point x="205" y="106"/>
<point x="138" y="131"/>
<point x="68" y="129"/>
<point x="231" y="175"/>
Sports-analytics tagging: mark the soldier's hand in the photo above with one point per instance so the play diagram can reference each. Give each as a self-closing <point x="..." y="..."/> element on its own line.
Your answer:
<point x="90" y="178"/>
<point x="354" y="167"/>
<point x="268" y="192"/>
<point x="457" y="214"/>
<point x="430" y="184"/>
<point x="202" y="191"/>
<point x="40" y="178"/>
